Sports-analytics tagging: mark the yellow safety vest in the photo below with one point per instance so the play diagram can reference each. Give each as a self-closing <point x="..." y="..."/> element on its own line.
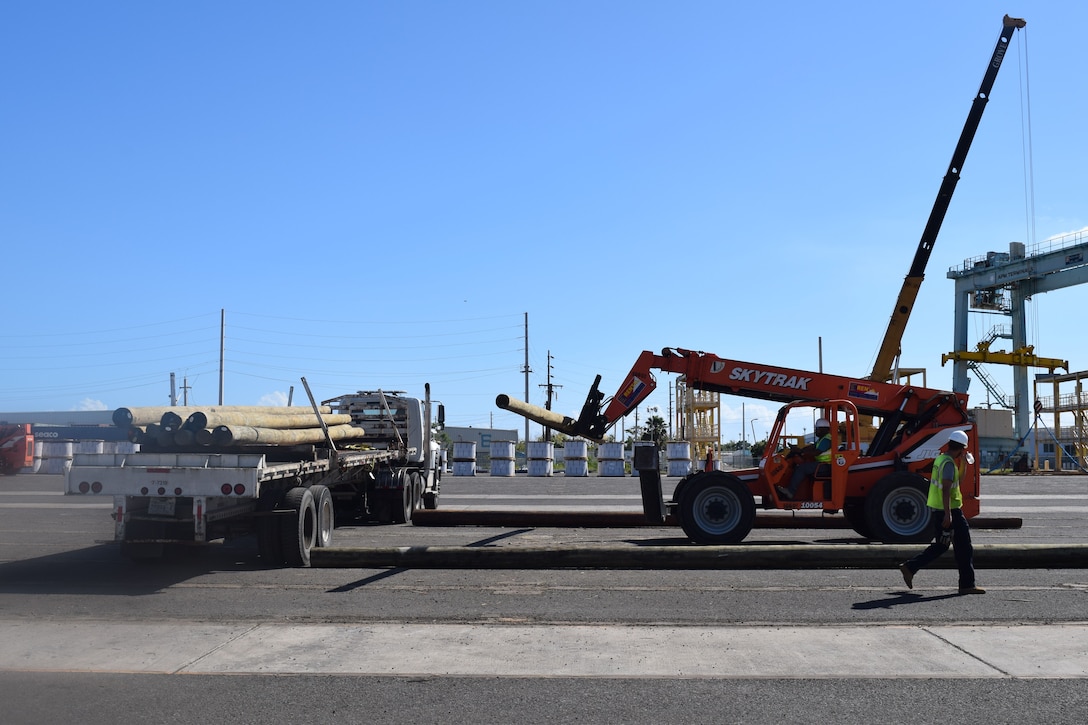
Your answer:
<point x="825" y="456"/>
<point x="936" y="484"/>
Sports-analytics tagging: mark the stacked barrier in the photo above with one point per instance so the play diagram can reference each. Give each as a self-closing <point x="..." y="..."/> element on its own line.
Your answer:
<point x="575" y="458"/>
<point x="502" y="458"/>
<point x="679" y="455"/>
<point x="541" y="457"/>
<point x="610" y="459"/>
<point x="464" y="458"/>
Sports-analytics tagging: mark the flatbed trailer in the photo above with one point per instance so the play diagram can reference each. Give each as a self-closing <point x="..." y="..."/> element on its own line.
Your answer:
<point x="290" y="497"/>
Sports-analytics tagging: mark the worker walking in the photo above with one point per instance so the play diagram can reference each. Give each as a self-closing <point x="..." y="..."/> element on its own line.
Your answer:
<point x="819" y="466"/>
<point x="946" y="517"/>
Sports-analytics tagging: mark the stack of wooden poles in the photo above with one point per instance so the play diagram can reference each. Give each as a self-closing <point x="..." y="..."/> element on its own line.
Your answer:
<point x="183" y="427"/>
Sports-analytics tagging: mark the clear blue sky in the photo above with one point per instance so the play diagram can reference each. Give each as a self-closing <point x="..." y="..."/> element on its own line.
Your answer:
<point x="376" y="192"/>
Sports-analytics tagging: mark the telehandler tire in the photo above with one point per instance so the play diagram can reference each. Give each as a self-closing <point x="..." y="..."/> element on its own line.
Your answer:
<point x="855" y="516"/>
<point x="896" y="511"/>
<point x="716" y="508"/>
<point x="677" y="497"/>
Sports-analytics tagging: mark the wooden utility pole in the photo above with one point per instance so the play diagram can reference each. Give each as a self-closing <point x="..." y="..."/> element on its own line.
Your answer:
<point x="222" y="336"/>
<point x="526" y="370"/>
<point x="548" y="400"/>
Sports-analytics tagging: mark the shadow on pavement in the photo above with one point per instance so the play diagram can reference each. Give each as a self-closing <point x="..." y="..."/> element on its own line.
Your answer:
<point x="360" y="583"/>
<point x="401" y="569"/>
<point x="671" y="541"/>
<point x="901" y="599"/>
<point x="101" y="569"/>
<point x="683" y="541"/>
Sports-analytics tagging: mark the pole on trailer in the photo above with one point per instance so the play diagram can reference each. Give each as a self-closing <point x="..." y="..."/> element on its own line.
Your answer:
<point x="317" y="412"/>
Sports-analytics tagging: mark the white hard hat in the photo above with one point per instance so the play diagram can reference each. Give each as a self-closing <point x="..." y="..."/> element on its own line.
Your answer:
<point x="823" y="423"/>
<point x="958" y="437"/>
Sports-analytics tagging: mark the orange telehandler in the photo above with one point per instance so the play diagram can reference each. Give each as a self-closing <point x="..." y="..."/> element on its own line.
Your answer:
<point x="881" y="488"/>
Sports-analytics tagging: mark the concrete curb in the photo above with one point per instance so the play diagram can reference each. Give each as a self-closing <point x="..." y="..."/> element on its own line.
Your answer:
<point x="740" y="556"/>
<point x="635" y="519"/>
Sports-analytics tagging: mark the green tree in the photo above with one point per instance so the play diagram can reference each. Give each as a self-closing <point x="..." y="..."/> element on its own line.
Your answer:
<point x="658" y="430"/>
<point x="654" y="429"/>
<point x="558" y="439"/>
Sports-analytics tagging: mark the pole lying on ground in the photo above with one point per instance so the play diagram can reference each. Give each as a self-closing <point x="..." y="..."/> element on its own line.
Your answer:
<point x="756" y="556"/>
<point x="637" y="519"/>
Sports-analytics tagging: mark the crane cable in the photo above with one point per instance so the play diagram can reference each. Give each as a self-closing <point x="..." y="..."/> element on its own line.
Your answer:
<point x="1029" y="176"/>
<point x="1029" y="164"/>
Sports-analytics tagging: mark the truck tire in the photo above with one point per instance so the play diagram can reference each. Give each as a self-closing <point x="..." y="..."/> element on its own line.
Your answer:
<point x="299" y="533"/>
<point x="716" y="509"/>
<point x="400" y="505"/>
<point x="326" y="517"/>
<point x="396" y="507"/>
<point x="417" y="490"/>
<point x="404" y="502"/>
<point x="896" y="511"/>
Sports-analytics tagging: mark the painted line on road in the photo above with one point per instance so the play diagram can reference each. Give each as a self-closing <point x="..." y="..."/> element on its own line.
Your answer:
<point x="635" y="496"/>
<point x="497" y="650"/>
<point x="31" y="493"/>
<point x="1034" y="509"/>
<point x="540" y="496"/>
<point x="1033" y="497"/>
<point x="102" y="505"/>
<point x="517" y="505"/>
<point x="558" y="508"/>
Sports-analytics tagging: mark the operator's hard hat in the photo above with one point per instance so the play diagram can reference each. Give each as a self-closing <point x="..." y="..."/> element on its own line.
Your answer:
<point x="823" y="423"/>
<point x="958" y="437"/>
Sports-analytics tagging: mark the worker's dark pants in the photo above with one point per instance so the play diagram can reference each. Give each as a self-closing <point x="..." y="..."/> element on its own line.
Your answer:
<point x="806" y="470"/>
<point x="961" y="543"/>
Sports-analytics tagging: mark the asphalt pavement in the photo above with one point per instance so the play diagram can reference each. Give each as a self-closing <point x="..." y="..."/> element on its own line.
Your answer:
<point x="218" y="636"/>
